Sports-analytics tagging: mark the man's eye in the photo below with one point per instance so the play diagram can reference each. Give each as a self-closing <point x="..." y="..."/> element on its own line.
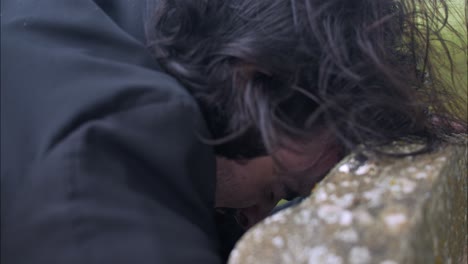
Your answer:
<point x="271" y="196"/>
<point x="289" y="194"/>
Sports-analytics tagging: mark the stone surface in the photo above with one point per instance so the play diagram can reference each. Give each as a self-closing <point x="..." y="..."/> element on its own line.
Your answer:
<point x="372" y="210"/>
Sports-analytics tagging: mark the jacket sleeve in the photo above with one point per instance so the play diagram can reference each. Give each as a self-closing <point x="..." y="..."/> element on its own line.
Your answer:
<point x="134" y="186"/>
<point x="101" y="158"/>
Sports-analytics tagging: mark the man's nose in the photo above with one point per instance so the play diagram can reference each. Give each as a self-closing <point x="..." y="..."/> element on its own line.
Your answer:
<point x="251" y="215"/>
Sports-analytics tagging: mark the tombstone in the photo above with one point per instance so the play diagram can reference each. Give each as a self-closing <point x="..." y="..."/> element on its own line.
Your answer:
<point x="372" y="209"/>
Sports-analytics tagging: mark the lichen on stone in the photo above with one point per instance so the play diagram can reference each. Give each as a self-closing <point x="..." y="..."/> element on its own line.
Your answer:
<point x="372" y="209"/>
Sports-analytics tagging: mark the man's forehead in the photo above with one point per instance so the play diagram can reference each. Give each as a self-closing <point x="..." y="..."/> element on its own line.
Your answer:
<point x="301" y="156"/>
<point x="301" y="171"/>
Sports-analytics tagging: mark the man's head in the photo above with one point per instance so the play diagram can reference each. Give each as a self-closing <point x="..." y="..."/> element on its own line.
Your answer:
<point x="268" y="74"/>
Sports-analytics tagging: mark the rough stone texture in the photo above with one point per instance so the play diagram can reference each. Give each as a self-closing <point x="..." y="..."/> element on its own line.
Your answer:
<point x="380" y="210"/>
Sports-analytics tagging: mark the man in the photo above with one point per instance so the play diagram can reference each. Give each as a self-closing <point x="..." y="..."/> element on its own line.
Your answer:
<point x="113" y="152"/>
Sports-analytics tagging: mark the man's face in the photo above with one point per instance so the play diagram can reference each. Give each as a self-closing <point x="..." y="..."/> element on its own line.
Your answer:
<point x="255" y="186"/>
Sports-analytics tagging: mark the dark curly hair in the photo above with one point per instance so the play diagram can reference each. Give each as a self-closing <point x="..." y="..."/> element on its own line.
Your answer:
<point x="264" y="71"/>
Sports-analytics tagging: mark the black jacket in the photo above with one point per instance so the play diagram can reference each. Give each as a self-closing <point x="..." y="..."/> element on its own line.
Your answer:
<point x="101" y="160"/>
